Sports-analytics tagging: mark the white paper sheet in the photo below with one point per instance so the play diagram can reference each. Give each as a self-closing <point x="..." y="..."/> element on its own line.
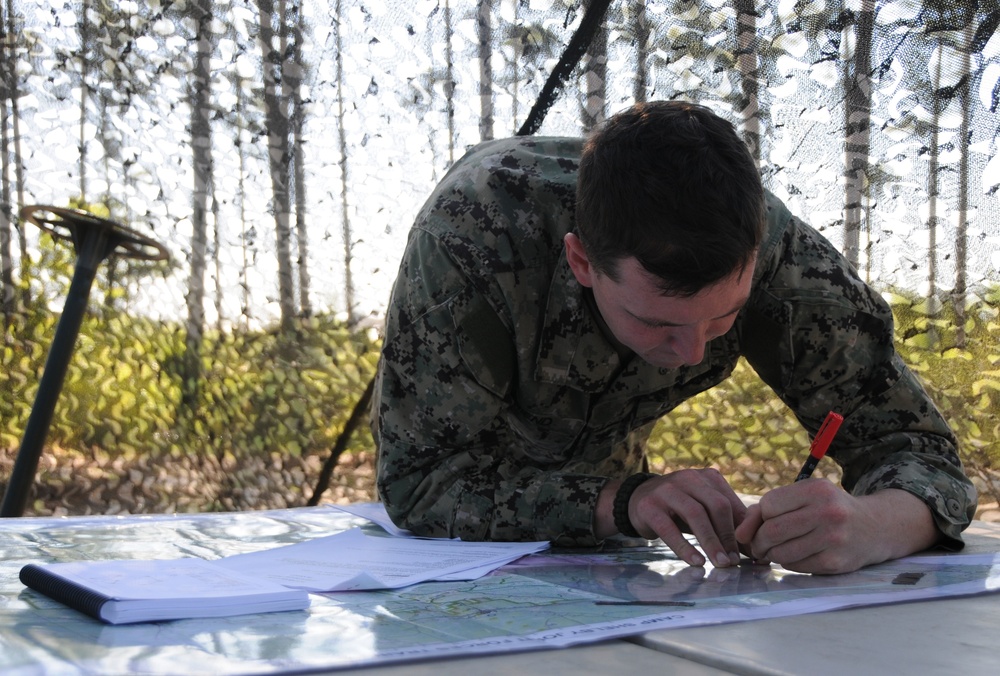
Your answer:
<point x="375" y="512"/>
<point x="353" y="561"/>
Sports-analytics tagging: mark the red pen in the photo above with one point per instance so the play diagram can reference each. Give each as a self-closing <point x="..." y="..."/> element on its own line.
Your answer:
<point x="820" y="444"/>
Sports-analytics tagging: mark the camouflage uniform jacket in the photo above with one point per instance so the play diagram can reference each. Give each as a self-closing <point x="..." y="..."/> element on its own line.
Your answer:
<point x="502" y="408"/>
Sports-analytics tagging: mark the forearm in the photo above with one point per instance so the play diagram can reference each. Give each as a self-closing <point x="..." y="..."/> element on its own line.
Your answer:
<point x="474" y="496"/>
<point x="924" y="465"/>
<point x="900" y="524"/>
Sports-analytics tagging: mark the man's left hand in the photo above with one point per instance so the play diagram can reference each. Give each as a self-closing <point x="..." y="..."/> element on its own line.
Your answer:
<point x="814" y="526"/>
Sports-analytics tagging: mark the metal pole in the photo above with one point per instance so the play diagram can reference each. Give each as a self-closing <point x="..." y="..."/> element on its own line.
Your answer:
<point x="93" y="247"/>
<point x="94" y="239"/>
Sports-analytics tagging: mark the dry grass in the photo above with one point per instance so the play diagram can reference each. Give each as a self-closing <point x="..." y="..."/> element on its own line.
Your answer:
<point x="74" y="484"/>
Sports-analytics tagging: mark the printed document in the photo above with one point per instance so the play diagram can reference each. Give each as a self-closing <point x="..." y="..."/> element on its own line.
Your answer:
<point x="352" y="560"/>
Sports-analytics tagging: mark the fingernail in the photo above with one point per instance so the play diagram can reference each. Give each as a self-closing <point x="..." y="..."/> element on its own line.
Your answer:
<point x="697" y="560"/>
<point x="721" y="560"/>
<point x="734" y="558"/>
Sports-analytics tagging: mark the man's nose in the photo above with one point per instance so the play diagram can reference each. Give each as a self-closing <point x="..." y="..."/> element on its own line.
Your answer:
<point x="689" y="344"/>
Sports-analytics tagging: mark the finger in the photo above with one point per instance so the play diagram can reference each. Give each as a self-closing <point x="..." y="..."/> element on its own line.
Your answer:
<point x="752" y="521"/>
<point x="702" y="516"/>
<point x="791" y="497"/>
<point x="788" y="537"/>
<point x="710" y="513"/>
<point x="698" y="501"/>
<point x="825" y="562"/>
<point x="726" y="511"/>
<point x="684" y="550"/>
<point x="665" y="529"/>
<point x="724" y="531"/>
<point x="804" y="556"/>
<point x="791" y="516"/>
<point x="739" y="509"/>
<point x="747" y="531"/>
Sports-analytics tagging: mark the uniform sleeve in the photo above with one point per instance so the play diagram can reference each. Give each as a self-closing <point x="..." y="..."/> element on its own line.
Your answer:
<point x="836" y="352"/>
<point x="448" y="465"/>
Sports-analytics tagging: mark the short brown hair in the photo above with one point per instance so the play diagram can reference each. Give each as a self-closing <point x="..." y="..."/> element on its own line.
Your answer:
<point x="673" y="185"/>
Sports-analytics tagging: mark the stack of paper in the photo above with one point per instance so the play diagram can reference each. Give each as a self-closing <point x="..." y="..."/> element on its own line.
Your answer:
<point x="119" y="592"/>
<point x="276" y="579"/>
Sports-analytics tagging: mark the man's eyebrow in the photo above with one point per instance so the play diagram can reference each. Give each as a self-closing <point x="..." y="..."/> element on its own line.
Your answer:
<point x="662" y="323"/>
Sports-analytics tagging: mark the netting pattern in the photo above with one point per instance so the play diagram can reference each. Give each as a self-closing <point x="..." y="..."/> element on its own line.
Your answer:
<point x="279" y="150"/>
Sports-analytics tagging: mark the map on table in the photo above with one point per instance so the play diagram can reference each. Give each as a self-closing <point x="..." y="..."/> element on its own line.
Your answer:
<point x="556" y="598"/>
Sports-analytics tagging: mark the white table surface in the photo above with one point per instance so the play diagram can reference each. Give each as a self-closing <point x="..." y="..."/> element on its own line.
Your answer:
<point x="612" y="658"/>
<point x="948" y="636"/>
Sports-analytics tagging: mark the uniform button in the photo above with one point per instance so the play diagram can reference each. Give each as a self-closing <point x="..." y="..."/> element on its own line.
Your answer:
<point x="953" y="506"/>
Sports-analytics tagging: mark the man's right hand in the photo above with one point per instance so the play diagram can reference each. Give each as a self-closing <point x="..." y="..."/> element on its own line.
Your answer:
<point x="697" y="501"/>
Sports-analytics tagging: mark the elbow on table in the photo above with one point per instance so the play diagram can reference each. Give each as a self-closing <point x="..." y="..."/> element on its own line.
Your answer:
<point x="410" y="507"/>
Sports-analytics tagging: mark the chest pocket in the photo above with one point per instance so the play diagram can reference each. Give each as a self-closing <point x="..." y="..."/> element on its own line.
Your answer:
<point x="483" y="342"/>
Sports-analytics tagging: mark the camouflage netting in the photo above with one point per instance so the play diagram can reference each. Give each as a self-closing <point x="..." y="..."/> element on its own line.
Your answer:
<point x="279" y="151"/>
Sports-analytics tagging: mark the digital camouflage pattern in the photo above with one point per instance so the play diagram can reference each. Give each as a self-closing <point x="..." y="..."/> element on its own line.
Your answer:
<point x="503" y="406"/>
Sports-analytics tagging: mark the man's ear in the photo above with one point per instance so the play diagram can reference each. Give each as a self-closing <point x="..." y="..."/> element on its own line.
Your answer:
<point x="576" y="256"/>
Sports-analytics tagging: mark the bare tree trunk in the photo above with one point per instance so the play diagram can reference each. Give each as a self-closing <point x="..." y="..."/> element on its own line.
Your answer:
<point x="7" y="94"/>
<point x="484" y="31"/>
<point x="84" y="92"/>
<point x="15" y="115"/>
<point x="113" y="263"/>
<point x="449" y="84"/>
<point x="245" y="236"/>
<point x="8" y="293"/>
<point x="857" y="127"/>
<point x="276" y="113"/>
<point x="201" y="144"/>
<point x="294" y="80"/>
<point x="959" y="295"/>
<point x="216" y="249"/>
<point x="640" y="29"/>
<point x="348" y="238"/>
<point x="746" y="64"/>
<point x="595" y="78"/>
<point x="518" y="50"/>
<point x="933" y="187"/>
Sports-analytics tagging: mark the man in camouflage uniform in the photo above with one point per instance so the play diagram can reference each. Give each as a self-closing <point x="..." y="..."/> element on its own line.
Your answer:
<point x="557" y="297"/>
